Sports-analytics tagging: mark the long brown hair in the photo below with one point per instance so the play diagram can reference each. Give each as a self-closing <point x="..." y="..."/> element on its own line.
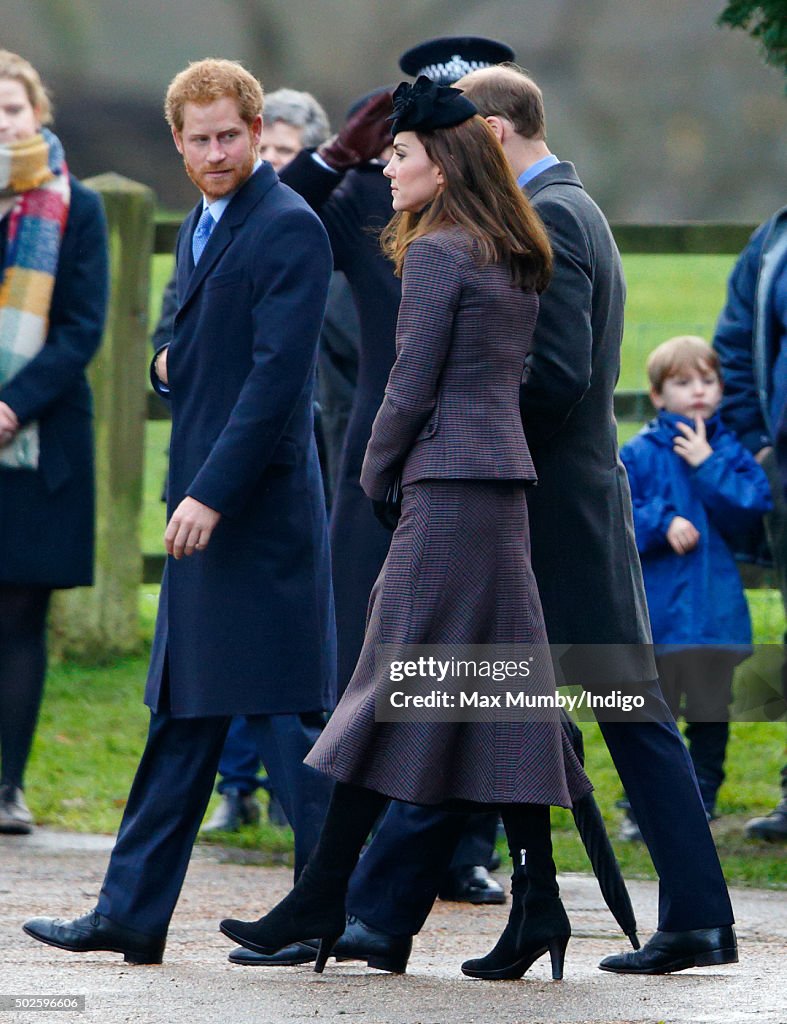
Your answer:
<point x="481" y="196"/>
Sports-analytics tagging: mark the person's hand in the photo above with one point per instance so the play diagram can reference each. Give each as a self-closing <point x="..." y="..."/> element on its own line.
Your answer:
<point x="364" y="137"/>
<point x="693" y="447"/>
<point x="763" y="453"/>
<point x="160" y="366"/>
<point x="682" y="535"/>
<point x="9" y="424"/>
<point x="190" y="528"/>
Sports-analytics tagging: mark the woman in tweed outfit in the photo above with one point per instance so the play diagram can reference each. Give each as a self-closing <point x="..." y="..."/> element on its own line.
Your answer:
<point x="473" y="257"/>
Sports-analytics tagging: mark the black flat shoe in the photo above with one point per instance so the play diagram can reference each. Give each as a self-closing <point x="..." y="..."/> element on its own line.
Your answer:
<point x="667" y="952"/>
<point x="95" y="932"/>
<point x="528" y="935"/>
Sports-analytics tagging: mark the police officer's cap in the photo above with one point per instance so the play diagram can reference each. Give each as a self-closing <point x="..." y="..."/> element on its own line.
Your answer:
<point x="446" y="60"/>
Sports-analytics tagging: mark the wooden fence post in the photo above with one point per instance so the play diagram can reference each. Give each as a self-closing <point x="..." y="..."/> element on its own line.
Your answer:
<point x="102" y="621"/>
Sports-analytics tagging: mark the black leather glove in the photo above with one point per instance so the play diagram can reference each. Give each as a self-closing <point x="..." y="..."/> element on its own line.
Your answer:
<point x="363" y="138"/>
<point x="386" y="513"/>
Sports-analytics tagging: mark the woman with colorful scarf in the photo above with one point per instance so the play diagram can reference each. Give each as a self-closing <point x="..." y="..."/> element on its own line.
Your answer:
<point x="53" y="293"/>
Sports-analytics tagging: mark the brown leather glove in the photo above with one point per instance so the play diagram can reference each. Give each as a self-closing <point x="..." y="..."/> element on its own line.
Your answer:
<point x="364" y="137"/>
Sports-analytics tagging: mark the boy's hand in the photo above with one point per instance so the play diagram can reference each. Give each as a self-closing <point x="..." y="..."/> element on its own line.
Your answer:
<point x="693" y="447"/>
<point x="682" y="535"/>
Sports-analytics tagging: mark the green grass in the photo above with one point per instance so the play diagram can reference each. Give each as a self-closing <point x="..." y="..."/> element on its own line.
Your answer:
<point x="93" y="722"/>
<point x="668" y="295"/>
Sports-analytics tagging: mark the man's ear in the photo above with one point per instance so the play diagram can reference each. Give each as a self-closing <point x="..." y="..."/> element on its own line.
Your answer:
<point x="178" y="140"/>
<point x="498" y="126"/>
<point x="255" y="128"/>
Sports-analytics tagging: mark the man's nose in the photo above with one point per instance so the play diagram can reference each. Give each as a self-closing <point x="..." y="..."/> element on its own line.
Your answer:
<point x="215" y="151"/>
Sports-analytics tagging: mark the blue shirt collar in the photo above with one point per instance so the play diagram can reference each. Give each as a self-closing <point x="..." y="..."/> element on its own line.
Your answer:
<point x="535" y="169"/>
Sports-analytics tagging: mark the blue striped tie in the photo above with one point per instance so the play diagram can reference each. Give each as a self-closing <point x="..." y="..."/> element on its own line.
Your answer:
<point x="201" y="235"/>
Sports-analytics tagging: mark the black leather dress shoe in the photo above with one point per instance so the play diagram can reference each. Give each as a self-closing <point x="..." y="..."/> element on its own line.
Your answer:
<point x="376" y="949"/>
<point x="290" y="956"/>
<point x="234" y="810"/>
<point x="358" y="942"/>
<point x="471" y="884"/>
<point x="667" y="952"/>
<point x="772" y="827"/>
<point x="15" y="816"/>
<point x="95" y="932"/>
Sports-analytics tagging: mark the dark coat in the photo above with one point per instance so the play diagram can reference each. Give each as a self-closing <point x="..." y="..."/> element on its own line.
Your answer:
<point x="696" y="598"/>
<point x="354" y="208"/>
<point x="47" y="515"/>
<point x="584" y="553"/>
<point x="246" y="626"/>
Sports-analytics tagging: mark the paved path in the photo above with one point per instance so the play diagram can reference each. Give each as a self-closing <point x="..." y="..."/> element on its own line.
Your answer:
<point x="60" y="874"/>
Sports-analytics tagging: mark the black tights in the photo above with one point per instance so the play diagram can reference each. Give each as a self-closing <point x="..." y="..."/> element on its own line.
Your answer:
<point x="22" y="669"/>
<point x="529" y="833"/>
<point x="353" y="811"/>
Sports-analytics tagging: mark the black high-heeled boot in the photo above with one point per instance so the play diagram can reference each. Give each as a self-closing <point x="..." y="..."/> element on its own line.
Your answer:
<point x="537" y="922"/>
<point x="315" y="906"/>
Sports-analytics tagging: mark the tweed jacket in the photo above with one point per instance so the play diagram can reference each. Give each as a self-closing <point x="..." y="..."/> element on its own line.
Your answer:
<point x="451" y="406"/>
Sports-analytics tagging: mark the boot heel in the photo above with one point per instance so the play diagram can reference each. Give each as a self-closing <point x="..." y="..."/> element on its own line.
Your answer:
<point x="326" y="947"/>
<point x="557" y="954"/>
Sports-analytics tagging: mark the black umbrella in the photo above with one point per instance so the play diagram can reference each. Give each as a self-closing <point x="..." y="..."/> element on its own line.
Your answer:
<point x="593" y="834"/>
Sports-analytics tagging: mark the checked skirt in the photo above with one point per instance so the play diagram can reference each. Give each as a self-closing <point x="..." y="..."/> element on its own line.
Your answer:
<point x="458" y="572"/>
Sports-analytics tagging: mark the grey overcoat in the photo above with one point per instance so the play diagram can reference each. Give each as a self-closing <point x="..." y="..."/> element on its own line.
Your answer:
<point x="581" y="528"/>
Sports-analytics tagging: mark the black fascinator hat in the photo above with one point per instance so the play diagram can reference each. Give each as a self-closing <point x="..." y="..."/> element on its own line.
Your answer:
<point x="425" y="105"/>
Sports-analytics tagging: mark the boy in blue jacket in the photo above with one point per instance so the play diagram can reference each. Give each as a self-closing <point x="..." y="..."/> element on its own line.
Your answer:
<point x="695" y="489"/>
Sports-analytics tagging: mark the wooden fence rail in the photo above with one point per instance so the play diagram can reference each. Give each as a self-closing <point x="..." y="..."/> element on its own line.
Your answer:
<point x="104" y="618"/>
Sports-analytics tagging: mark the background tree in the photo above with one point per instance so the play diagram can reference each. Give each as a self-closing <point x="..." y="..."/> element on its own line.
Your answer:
<point x="766" y="22"/>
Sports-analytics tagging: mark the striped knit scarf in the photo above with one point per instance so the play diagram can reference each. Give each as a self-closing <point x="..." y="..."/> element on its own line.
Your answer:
<point x="35" y="172"/>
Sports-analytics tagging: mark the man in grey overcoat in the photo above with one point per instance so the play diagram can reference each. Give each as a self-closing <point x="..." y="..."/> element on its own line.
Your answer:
<point x="584" y="553"/>
<point x="245" y="623"/>
<point x="588" y="573"/>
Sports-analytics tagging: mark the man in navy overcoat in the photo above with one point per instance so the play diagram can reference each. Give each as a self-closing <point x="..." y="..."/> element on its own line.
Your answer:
<point x="245" y="624"/>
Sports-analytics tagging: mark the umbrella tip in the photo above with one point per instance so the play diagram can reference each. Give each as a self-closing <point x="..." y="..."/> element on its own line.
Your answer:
<point x="633" y="939"/>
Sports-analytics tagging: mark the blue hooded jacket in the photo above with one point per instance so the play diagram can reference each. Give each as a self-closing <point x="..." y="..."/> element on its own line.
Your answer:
<point x="696" y="598"/>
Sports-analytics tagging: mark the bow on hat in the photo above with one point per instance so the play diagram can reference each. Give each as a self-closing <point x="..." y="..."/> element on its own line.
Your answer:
<point x="425" y="105"/>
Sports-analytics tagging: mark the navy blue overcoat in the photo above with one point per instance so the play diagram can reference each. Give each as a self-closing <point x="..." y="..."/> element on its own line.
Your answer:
<point x="47" y="515"/>
<point x="246" y="626"/>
